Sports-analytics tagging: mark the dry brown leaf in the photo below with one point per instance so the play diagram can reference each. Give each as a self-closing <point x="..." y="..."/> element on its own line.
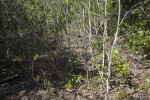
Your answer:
<point x="93" y="96"/>
<point x="130" y="91"/>
<point x="85" y="94"/>
<point x="69" y="90"/>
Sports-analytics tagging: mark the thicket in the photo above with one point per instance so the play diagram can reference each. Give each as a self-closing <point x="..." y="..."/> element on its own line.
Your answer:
<point x="74" y="33"/>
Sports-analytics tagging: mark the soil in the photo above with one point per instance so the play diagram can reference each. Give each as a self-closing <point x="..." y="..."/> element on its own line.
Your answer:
<point x="25" y="88"/>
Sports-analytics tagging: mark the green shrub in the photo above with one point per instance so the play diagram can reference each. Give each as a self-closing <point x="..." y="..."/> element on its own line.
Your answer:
<point x="121" y="96"/>
<point x="75" y="81"/>
<point x="122" y="67"/>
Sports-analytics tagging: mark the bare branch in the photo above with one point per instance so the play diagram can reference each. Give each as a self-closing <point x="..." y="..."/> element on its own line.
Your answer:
<point x="132" y="9"/>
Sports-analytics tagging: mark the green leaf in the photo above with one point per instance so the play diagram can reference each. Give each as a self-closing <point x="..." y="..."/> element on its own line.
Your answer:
<point x="75" y="61"/>
<point x="58" y="13"/>
<point x="145" y="55"/>
<point x="93" y="59"/>
<point x="69" y="60"/>
<point x="114" y="55"/>
<point x="106" y="73"/>
<point x="140" y="57"/>
<point x="112" y="63"/>
<point x="106" y="67"/>
<point x="115" y="52"/>
<point x="148" y="81"/>
<point x="98" y="65"/>
<point x="64" y="1"/>
<point x="35" y="57"/>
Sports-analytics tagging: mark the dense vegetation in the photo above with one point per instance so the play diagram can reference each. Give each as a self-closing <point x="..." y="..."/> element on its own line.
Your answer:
<point x="95" y="49"/>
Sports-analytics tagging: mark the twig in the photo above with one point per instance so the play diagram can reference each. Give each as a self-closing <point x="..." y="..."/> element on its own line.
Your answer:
<point x="131" y="9"/>
<point x="139" y="60"/>
<point x="9" y="79"/>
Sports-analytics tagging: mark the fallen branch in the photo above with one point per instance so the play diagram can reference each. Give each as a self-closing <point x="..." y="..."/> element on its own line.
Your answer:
<point x="9" y="79"/>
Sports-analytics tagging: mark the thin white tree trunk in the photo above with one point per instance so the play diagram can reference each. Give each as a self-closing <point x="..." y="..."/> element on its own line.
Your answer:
<point x="85" y="65"/>
<point x="104" y="38"/>
<point x="67" y="12"/>
<point x="99" y="26"/>
<point x="90" y="32"/>
<point x="111" y="55"/>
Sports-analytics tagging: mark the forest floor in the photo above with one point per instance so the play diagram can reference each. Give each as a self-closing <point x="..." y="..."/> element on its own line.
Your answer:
<point x="23" y="87"/>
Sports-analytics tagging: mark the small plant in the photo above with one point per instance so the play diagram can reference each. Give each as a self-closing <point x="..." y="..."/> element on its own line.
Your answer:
<point x="46" y="82"/>
<point x="73" y="62"/>
<point x="121" y="86"/>
<point x="122" y="67"/>
<point x="98" y="65"/>
<point x="13" y="71"/>
<point x="75" y="81"/>
<point x="34" y="59"/>
<point x="38" y="78"/>
<point x="124" y="96"/>
<point x="145" y="86"/>
<point x="49" y="88"/>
